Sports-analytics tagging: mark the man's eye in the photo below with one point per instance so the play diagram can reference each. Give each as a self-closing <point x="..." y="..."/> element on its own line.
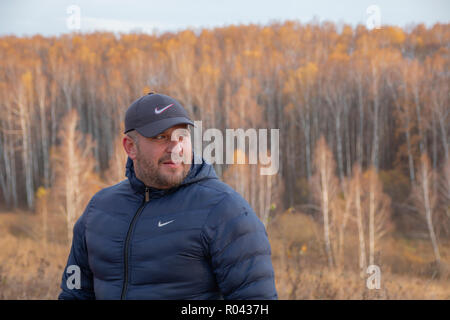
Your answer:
<point x="160" y="137"/>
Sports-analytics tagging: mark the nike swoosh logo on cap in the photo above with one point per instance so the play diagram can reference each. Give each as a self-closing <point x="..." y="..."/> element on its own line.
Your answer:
<point x="163" y="109"/>
<point x="163" y="224"/>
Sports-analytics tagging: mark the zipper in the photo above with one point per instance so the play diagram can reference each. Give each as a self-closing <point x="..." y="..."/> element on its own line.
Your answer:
<point x="127" y="241"/>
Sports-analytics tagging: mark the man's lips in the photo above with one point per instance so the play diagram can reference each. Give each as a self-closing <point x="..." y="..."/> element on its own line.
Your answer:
<point x="171" y="164"/>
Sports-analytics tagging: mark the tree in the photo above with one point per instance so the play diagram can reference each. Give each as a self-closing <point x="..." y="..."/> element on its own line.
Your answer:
<point x="337" y="96"/>
<point x="299" y="87"/>
<point x="377" y="204"/>
<point x="398" y="83"/>
<point x="73" y="165"/>
<point x="117" y="162"/>
<point x="24" y="101"/>
<point x="444" y="193"/>
<point x="438" y="94"/>
<point x="325" y="186"/>
<point x="425" y="199"/>
<point x="261" y="191"/>
<point x="378" y="97"/>
<point x="356" y="191"/>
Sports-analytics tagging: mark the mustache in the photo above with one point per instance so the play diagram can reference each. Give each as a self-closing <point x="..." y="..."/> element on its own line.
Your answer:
<point x="169" y="158"/>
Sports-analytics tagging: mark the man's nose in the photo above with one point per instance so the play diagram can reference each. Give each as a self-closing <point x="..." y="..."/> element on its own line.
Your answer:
<point x="178" y="147"/>
<point x="175" y="146"/>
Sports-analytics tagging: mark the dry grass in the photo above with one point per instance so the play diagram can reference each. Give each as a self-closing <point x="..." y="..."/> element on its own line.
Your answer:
<point x="407" y="265"/>
<point x="327" y="284"/>
<point x="31" y="268"/>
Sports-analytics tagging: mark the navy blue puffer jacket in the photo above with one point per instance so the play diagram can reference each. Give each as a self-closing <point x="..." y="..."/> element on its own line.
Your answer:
<point x="200" y="240"/>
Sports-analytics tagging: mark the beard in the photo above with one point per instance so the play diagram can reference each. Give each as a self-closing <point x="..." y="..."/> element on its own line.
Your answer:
<point x="152" y="174"/>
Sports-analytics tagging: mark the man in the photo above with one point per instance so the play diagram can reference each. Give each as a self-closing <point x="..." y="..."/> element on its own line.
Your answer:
<point x="172" y="230"/>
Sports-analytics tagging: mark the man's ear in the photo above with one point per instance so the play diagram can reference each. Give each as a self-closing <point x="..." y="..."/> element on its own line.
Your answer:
<point x="129" y="145"/>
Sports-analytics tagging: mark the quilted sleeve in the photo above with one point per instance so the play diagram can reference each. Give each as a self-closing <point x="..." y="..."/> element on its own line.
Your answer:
<point x="239" y="250"/>
<point x="77" y="279"/>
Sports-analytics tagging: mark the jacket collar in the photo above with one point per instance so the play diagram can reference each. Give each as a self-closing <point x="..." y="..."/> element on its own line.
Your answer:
<point x="197" y="172"/>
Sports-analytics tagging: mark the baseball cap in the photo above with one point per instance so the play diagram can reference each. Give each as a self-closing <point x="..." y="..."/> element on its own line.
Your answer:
<point x="154" y="113"/>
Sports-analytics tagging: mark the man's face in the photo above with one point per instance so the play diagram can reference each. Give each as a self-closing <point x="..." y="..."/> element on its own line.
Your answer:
<point x="163" y="161"/>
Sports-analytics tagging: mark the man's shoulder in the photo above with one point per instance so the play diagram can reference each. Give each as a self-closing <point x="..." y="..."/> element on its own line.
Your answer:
<point x="112" y="192"/>
<point x="231" y="211"/>
<point x="227" y="199"/>
<point x="217" y="186"/>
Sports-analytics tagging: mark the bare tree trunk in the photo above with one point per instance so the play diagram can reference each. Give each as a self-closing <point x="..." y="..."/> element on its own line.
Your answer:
<point x="4" y="173"/>
<point x="339" y="146"/>
<point x="306" y="131"/>
<point x="422" y="141"/>
<point x="342" y="226"/>
<point x="267" y="196"/>
<point x="348" y="143"/>
<point x="254" y="186"/>
<point x="325" y="210"/>
<point x="71" y="181"/>
<point x="74" y="174"/>
<point x="428" y="210"/>
<point x="371" y="219"/>
<point x="325" y="185"/>
<point x="44" y="210"/>
<point x="291" y="163"/>
<point x="410" y="156"/>
<point x="360" y="135"/>
<point x="376" y="107"/>
<point x="359" y="221"/>
<point x="26" y="150"/>
<point x="44" y="134"/>
<point x="13" y="172"/>
<point x="406" y="124"/>
<point x="444" y="135"/>
<point x="445" y="187"/>
<point x="8" y="175"/>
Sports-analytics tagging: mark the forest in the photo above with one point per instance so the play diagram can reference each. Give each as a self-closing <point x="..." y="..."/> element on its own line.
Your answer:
<point x="363" y="119"/>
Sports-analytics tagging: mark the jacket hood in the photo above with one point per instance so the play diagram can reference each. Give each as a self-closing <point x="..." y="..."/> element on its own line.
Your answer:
<point x="198" y="172"/>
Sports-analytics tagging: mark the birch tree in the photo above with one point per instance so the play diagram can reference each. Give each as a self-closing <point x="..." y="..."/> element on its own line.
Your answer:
<point x="24" y="101"/>
<point x="444" y="194"/>
<point x="325" y="186"/>
<point x="73" y="165"/>
<point x="425" y="200"/>
<point x="356" y="191"/>
<point x="117" y="162"/>
<point x="377" y="205"/>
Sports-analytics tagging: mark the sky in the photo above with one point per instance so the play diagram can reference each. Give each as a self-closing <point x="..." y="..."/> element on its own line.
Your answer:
<point x="55" y="17"/>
